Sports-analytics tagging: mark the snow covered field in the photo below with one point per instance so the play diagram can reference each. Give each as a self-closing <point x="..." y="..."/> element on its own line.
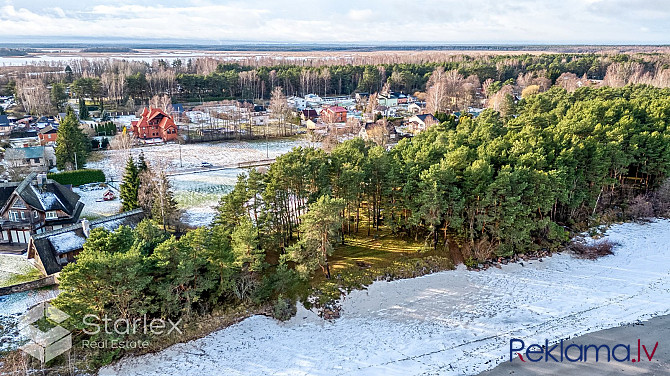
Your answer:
<point x="94" y="205"/>
<point x="113" y="162"/>
<point x="196" y="193"/>
<point x="13" y="266"/>
<point x="450" y="323"/>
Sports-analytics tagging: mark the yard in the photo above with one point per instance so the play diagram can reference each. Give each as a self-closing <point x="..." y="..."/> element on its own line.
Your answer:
<point x="16" y="269"/>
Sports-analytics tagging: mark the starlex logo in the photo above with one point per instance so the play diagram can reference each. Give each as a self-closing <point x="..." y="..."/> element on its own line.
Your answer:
<point x="45" y="345"/>
<point x="580" y="353"/>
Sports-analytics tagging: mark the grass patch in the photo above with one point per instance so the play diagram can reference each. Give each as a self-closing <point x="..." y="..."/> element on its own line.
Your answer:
<point x="363" y="260"/>
<point x="15" y="279"/>
<point x="190" y="199"/>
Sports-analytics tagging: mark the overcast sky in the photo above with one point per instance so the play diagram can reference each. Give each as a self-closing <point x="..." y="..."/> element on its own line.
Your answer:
<point x="446" y="21"/>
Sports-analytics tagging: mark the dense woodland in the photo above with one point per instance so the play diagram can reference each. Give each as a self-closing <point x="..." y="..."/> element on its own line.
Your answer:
<point x="497" y="184"/>
<point x="118" y="84"/>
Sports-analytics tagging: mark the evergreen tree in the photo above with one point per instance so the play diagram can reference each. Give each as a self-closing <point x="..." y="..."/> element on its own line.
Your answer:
<point x="83" y="110"/>
<point x="319" y="228"/>
<point x="72" y="144"/>
<point x="58" y="96"/>
<point x="130" y="186"/>
<point x="164" y="209"/>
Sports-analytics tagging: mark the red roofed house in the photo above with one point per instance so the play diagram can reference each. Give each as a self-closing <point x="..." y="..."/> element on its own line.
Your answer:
<point x="334" y="114"/>
<point x="155" y="123"/>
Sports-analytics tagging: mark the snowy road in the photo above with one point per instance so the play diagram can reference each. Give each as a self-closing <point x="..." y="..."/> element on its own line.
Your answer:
<point x="449" y="323"/>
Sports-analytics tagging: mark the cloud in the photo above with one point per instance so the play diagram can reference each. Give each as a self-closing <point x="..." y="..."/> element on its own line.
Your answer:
<point x="447" y="21"/>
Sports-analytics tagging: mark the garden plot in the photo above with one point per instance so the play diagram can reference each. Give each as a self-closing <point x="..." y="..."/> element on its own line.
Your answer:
<point x="451" y="323"/>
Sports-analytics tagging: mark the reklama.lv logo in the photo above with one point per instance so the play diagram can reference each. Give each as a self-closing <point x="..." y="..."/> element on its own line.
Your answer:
<point x="580" y="353"/>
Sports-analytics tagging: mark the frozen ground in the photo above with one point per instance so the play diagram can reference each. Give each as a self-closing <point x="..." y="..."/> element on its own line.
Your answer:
<point x="450" y="323"/>
<point x="197" y="194"/>
<point x="113" y="162"/>
<point x="94" y="205"/>
<point x="13" y="266"/>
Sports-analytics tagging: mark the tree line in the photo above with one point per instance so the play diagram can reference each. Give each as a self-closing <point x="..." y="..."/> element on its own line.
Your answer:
<point x="125" y="84"/>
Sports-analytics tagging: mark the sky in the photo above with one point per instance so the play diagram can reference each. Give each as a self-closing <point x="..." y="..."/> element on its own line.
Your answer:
<point x="353" y="21"/>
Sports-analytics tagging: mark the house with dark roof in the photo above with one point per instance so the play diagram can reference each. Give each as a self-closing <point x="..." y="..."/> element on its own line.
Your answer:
<point x="418" y="123"/>
<point x="154" y="123"/>
<point x="54" y="249"/>
<point x="308" y="114"/>
<point x="35" y="205"/>
<point x="48" y="135"/>
<point x="5" y="126"/>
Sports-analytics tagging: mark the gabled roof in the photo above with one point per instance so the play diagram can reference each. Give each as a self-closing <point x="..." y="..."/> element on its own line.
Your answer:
<point x="48" y="129"/>
<point x="337" y="109"/>
<point x="424" y="117"/>
<point x="25" y="153"/>
<point x="70" y="239"/>
<point x="52" y="196"/>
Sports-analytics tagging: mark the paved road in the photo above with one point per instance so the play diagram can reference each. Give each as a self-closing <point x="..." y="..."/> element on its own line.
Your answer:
<point x="199" y="170"/>
<point x="649" y="332"/>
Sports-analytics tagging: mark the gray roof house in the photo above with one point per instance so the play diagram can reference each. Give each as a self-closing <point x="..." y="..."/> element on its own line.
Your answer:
<point x="35" y="205"/>
<point x="54" y="249"/>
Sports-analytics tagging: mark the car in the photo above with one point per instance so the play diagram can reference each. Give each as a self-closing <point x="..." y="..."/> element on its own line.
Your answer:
<point x="206" y="164"/>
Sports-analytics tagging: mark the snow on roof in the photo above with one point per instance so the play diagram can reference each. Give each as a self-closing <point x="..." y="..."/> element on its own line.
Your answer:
<point x="67" y="242"/>
<point x="48" y="199"/>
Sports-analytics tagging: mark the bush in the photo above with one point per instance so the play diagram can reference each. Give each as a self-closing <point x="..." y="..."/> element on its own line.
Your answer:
<point x="640" y="207"/>
<point x="594" y="250"/>
<point x="78" y="177"/>
<point x="284" y="309"/>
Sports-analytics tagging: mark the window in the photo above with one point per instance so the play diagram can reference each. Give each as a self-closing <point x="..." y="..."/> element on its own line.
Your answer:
<point x="52" y="215"/>
<point x="36" y="214"/>
<point x="23" y="215"/>
<point x="14" y="216"/>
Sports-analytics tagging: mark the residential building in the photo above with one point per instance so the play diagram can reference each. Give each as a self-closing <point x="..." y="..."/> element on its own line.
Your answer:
<point x="32" y="157"/>
<point x="48" y="135"/>
<point x="154" y="123"/>
<point x="334" y="114"/>
<point x="35" y="205"/>
<point x="5" y="126"/>
<point x="418" y="123"/>
<point x="308" y="114"/>
<point x="54" y="249"/>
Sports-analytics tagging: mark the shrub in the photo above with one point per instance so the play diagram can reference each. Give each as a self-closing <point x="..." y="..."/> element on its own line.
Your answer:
<point x="592" y="251"/>
<point x="78" y="177"/>
<point x="640" y="207"/>
<point x="284" y="308"/>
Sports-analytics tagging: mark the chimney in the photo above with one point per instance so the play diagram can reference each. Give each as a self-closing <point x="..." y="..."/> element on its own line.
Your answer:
<point x="86" y="227"/>
<point x="41" y="180"/>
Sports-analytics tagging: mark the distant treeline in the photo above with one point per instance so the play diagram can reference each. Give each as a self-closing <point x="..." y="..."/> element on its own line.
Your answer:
<point x="12" y="52"/>
<point x="108" y="49"/>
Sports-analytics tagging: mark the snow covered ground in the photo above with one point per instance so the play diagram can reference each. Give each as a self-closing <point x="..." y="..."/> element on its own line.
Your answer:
<point x="450" y="323"/>
<point x="94" y="205"/>
<point x="192" y="155"/>
<point x="12" y="266"/>
<point x="196" y="193"/>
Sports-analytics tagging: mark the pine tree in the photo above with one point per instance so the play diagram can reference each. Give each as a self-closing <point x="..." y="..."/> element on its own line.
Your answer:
<point x="319" y="228"/>
<point x="83" y="110"/>
<point x="72" y="145"/>
<point x="130" y="186"/>
<point x="164" y="208"/>
<point x="142" y="165"/>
